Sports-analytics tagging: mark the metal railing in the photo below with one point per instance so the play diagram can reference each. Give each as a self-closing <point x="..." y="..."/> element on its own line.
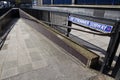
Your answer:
<point x="59" y="21"/>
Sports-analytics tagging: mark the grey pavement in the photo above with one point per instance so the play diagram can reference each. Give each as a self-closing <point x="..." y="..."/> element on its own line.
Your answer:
<point x="28" y="55"/>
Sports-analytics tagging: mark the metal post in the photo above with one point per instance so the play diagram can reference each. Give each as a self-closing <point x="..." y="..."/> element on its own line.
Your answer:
<point x="51" y="2"/>
<point x="69" y="29"/>
<point x="73" y="2"/>
<point x="112" y="48"/>
<point x="116" y="68"/>
<point x="41" y="2"/>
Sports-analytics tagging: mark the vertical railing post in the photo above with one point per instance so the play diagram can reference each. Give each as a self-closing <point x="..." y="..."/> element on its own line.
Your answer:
<point x="112" y="48"/>
<point x="52" y="2"/>
<point x="116" y="69"/>
<point x="73" y="2"/>
<point x="69" y="24"/>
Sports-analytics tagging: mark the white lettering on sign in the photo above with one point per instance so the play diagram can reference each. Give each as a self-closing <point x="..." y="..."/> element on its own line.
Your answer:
<point x="94" y="25"/>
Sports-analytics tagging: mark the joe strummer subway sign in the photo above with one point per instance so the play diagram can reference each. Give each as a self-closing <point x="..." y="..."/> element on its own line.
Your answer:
<point x="94" y="25"/>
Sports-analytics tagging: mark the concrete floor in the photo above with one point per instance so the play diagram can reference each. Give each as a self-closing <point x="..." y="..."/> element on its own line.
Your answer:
<point x="28" y="55"/>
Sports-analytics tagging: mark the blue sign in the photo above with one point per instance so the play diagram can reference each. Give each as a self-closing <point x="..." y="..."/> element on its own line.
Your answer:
<point x="94" y="25"/>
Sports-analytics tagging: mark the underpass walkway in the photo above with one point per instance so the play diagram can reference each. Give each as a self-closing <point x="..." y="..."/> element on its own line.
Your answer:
<point x="28" y="55"/>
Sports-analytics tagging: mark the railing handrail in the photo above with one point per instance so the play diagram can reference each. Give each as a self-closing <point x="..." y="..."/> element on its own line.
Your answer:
<point x="5" y="14"/>
<point x="65" y="26"/>
<point x="67" y="12"/>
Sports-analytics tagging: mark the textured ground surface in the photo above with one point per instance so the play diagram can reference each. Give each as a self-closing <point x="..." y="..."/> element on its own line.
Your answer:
<point x="28" y="55"/>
